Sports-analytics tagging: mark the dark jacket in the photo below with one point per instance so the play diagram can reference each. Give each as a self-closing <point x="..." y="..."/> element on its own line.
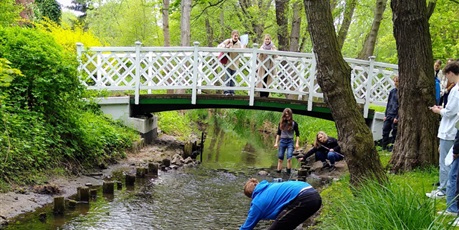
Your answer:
<point x="331" y="143"/>
<point x="392" y="104"/>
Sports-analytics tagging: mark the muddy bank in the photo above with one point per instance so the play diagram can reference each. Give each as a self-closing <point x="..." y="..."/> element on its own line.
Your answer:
<point x="28" y="199"/>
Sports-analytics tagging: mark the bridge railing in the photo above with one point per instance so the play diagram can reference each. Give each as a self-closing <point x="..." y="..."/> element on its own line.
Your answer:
<point x="198" y="69"/>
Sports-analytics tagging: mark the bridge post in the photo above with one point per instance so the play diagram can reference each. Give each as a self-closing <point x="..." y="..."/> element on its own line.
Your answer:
<point x="253" y="74"/>
<point x="312" y="77"/>
<point x="195" y="72"/>
<point x="368" y="89"/>
<point x="137" y="71"/>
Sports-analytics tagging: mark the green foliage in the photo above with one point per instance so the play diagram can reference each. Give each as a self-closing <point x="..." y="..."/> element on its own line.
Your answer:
<point x="443" y="22"/>
<point x="175" y="123"/>
<point x="399" y="204"/>
<point x="48" y="9"/>
<point x="44" y="121"/>
<point x="9" y="12"/>
<point x="7" y="73"/>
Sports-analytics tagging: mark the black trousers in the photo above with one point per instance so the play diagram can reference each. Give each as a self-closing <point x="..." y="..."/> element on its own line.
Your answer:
<point x="388" y="126"/>
<point x="298" y="210"/>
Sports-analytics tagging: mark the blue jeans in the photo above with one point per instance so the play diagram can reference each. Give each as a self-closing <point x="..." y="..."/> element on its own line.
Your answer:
<point x="333" y="157"/>
<point x="451" y="187"/>
<point x="229" y="80"/>
<point x="285" y="144"/>
<point x="445" y="146"/>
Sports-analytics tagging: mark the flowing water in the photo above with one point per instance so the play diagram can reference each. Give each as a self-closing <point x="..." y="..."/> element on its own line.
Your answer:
<point x="208" y="196"/>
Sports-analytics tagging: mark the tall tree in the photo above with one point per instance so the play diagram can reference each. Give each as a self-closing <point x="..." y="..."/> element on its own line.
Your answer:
<point x="296" y="26"/>
<point x="370" y="40"/>
<point x="165" y="12"/>
<point x="185" y="30"/>
<point x="346" y="21"/>
<point x="334" y="78"/>
<point x="50" y="9"/>
<point x="416" y="143"/>
<point x="282" y="23"/>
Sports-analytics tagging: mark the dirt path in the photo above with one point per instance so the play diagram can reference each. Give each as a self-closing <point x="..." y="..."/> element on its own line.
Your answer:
<point x="27" y="200"/>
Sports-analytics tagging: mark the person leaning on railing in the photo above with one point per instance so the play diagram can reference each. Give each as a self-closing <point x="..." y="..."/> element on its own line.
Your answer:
<point x="233" y="62"/>
<point x="266" y="71"/>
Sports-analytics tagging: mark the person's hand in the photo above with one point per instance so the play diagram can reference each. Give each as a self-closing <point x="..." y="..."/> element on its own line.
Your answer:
<point x="384" y="119"/>
<point x="455" y="156"/>
<point x="436" y="109"/>
<point x="395" y="120"/>
<point x="275" y="145"/>
<point x="331" y="150"/>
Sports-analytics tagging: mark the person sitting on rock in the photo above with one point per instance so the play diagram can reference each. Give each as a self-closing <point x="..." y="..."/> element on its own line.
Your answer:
<point x="325" y="148"/>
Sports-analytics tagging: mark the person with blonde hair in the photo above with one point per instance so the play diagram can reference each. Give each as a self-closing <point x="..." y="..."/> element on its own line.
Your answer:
<point x="267" y="70"/>
<point x="233" y="62"/>
<point x="325" y="148"/>
<point x="284" y="139"/>
<point x="288" y="203"/>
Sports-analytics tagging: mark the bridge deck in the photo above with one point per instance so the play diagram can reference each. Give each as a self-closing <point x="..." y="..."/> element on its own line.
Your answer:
<point x="166" y="102"/>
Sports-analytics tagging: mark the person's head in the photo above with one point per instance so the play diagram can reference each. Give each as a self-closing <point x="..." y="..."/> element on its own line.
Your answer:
<point x="450" y="60"/>
<point x="437" y="65"/>
<point x="235" y="35"/>
<point x="451" y="71"/>
<point x="250" y="186"/>
<point x="287" y="115"/>
<point x="395" y="79"/>
<point x="321" y="138"/>
<point x="267" y="39"/>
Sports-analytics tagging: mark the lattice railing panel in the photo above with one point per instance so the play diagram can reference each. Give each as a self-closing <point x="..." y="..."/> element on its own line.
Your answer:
<point x="199" y="68"/>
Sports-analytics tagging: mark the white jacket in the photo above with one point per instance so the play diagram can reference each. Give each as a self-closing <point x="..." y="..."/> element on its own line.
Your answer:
<point x="449" y="114"/>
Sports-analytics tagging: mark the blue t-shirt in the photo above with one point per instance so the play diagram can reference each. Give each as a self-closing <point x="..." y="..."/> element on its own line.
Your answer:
<point x="437" y="91"/>
<point x="268" y="200"/>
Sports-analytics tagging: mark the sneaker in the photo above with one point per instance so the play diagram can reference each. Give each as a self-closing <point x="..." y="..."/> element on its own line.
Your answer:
<point x="289" y="171"/>
<point x="227" y="94"/>
<point x="447" y="213"/>
<point x="435" y="194"/>
<point x="278" y="171"/>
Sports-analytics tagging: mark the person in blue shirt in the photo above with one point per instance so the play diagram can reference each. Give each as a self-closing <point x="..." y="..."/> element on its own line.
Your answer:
<point x="391" y="117"/>
<point x="289" y="203"/>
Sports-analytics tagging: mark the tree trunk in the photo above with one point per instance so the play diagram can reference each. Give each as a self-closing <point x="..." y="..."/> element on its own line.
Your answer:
<point x="282" y="23"/>
<point x="347" y="18"/>
<point x="334" y="78"/>
<point x="185" y="29"/>
<point x="416" y="144"/>
<point x="296" y="27"/>
<point x="370" y="40"/>
<point x="185" y="33"/>
<point x="210" y="33"/>
<point x="27" y="13"/>
<point x="165" y="11"/>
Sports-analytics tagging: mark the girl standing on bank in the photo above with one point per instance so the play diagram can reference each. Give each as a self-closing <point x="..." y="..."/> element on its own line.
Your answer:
<point x="284" y="139"/>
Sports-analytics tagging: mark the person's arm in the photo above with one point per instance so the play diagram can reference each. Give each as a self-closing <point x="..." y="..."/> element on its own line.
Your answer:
<point x="252" y="218"/>
<point x="224" y="44"/>
<point x="297" y="134"/>
<point x="277" y="136"/>
<point x="308" y="154"/>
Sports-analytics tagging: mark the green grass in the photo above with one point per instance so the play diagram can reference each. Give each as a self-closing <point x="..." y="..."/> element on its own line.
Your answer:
<point x="399" y="204"/>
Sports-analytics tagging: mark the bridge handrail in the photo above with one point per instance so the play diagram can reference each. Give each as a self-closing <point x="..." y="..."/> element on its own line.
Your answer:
<point x="144" y="69"/>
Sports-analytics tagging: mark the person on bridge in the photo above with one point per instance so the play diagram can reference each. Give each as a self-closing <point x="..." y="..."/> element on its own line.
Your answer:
<point x="288" y="203"/>
<point x="266" y="71"/>
<point x="325" y="148"/>
<point x="233" y="62"/>
<point x="390" y="118"/>
<point x="284" y="139"/>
